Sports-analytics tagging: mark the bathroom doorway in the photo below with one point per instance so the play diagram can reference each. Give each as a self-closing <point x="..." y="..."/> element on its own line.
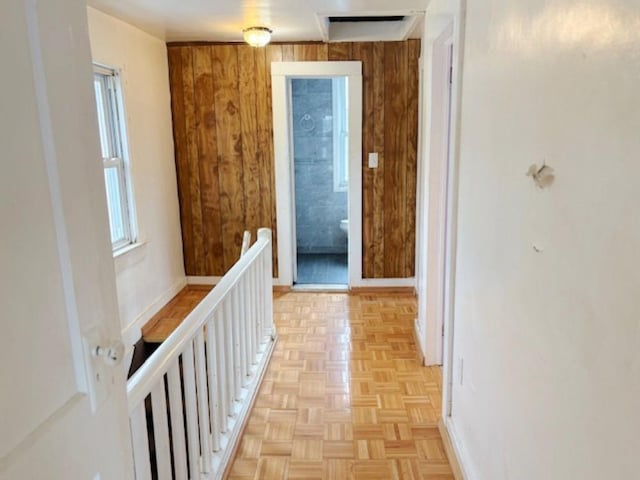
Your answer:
<point x="282" y="75"/>
<point x="320" y="146"/>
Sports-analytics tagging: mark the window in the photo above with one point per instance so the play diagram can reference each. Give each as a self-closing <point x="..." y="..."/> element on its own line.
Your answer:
<point x="340" y="135"/>
<point x="112" y="142"/>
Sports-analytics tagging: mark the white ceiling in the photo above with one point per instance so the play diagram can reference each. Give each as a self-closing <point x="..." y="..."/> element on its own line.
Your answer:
<point x="223" y="20"/>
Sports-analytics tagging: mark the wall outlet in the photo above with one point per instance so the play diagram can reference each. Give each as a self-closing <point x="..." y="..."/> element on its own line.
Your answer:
<point x="373" y="160"/>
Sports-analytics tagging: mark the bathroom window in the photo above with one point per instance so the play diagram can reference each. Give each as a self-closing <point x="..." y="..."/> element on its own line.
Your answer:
<point x="340" y="135"/>
<point x="112" y="145"/>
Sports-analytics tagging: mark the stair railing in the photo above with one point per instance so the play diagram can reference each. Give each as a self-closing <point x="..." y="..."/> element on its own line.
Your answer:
<point x="189" y="400"/>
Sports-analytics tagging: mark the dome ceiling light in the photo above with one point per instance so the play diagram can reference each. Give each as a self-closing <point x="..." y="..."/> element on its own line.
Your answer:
<point x="257" y="36"/>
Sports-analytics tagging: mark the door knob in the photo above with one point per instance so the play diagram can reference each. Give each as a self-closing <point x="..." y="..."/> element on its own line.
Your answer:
<point x="110" y="354"/>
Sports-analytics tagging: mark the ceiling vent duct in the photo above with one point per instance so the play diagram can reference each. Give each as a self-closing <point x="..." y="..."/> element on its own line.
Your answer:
<point x="368" y="27"/>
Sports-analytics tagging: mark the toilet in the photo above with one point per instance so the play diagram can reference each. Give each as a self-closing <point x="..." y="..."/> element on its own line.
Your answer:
<point x="344" y="225"/>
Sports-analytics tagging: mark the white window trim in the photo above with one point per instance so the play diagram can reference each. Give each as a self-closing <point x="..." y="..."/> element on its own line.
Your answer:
<point x="340" y="134"/>
<point x="130" y="240"/>
<point x="128" y="248"/>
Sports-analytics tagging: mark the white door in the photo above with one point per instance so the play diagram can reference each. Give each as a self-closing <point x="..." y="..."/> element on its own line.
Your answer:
<point x="63" y="414"/>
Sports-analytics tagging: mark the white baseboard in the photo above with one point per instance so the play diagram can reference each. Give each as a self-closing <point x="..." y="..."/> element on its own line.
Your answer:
<point x="455" y="453"/>
<point x="208" y="280"/>
<point x="417" y="332"/>
<point x="132" y="333"/>
<point x="279" y="283"/>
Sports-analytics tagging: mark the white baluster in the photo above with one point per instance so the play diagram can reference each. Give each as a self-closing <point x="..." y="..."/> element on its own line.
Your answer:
<point x="260" y="305"/>
<point x="214" y="399"/>
<point x="223" y="370"/>
<point x="255" y="285"/>
<point x="177" y="422"/>
<point x="255" y="306"/>
<point x="248" y="340"/>
<point x="243" y="335"/>
<point x="161" y="431"/>
<point x="268" y="283"/>
<point x="228" y="334"/>
<point x="203" y="403"/>
<point x="235" y="324"/>
<point x="139" y="439"/>
<point x="191" y="406"/>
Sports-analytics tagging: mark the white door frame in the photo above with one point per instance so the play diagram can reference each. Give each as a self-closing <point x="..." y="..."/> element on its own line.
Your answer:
<point x="281" y="73"/>
<point x="442" y="15"/>
<point x="433" y="198"/>
<point x="457" y="19"/>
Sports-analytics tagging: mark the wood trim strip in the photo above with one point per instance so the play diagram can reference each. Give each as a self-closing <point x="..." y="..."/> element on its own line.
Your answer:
<point x="191" y="152"/>
<point x="364" y="53"/>
<point x="413" y="86"/>
<point x="207" y="159"/>
<point x="228" y="130"/>
<point x="249" y="131"/>
<point x="339" y="51"/>
<point x="395" y="123"/>
<point x="281" y="289"/>
<point x="180" y="142"/>
<point x="395" y="290"/>
<point x="196" y="43"/>
<point x="379" y="174"/>
<point x="274" y="54"/>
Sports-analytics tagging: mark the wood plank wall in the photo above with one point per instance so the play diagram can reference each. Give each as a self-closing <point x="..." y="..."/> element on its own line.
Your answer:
<point x="223" y="133"/>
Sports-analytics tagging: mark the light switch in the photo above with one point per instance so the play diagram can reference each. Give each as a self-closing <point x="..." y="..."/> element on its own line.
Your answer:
<point x="373" y="160"/>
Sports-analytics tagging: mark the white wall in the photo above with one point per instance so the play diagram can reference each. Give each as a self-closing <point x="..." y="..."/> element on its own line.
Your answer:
<point x="150" y="275"/>
<point x="550" y="340"/>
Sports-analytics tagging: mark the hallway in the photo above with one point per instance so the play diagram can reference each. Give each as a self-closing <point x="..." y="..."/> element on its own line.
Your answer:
<point x="344" y="396"/>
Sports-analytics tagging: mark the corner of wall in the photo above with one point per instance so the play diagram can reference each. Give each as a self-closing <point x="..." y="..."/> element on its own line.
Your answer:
<point x="148" y="277"/>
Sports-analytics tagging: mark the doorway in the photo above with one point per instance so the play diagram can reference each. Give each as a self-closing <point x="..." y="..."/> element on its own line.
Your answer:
<point x="320" y="144"/>
<point x="316" y="234"/>
<point x="434" y="202"/>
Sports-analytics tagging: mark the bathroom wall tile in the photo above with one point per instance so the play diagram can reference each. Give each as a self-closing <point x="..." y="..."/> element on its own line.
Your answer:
<point x="318" y="85"/>
<point x="318" y="208"/>
<point x="313" y="150"/>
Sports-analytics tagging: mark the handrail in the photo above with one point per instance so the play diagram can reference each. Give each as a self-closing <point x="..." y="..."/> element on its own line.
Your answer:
<point x="152" y="370"/>
<point x="246" y="242"/>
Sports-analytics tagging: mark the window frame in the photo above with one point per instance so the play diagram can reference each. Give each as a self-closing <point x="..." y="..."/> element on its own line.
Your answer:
<point x="340" y="111"/>
<point x="114" y="152"/>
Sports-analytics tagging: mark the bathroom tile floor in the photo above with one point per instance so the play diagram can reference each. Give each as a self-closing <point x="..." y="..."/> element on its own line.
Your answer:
<point x="322" y="268"/>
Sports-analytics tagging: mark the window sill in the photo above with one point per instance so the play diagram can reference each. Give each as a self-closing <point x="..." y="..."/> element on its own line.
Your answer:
<point x="127" y="248"/>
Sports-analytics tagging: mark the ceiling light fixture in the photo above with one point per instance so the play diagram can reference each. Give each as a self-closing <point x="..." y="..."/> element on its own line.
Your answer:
<point x="257" y="36"/>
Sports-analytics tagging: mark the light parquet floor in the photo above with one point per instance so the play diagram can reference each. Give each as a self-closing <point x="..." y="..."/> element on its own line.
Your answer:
<point x="344" y="396"/>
